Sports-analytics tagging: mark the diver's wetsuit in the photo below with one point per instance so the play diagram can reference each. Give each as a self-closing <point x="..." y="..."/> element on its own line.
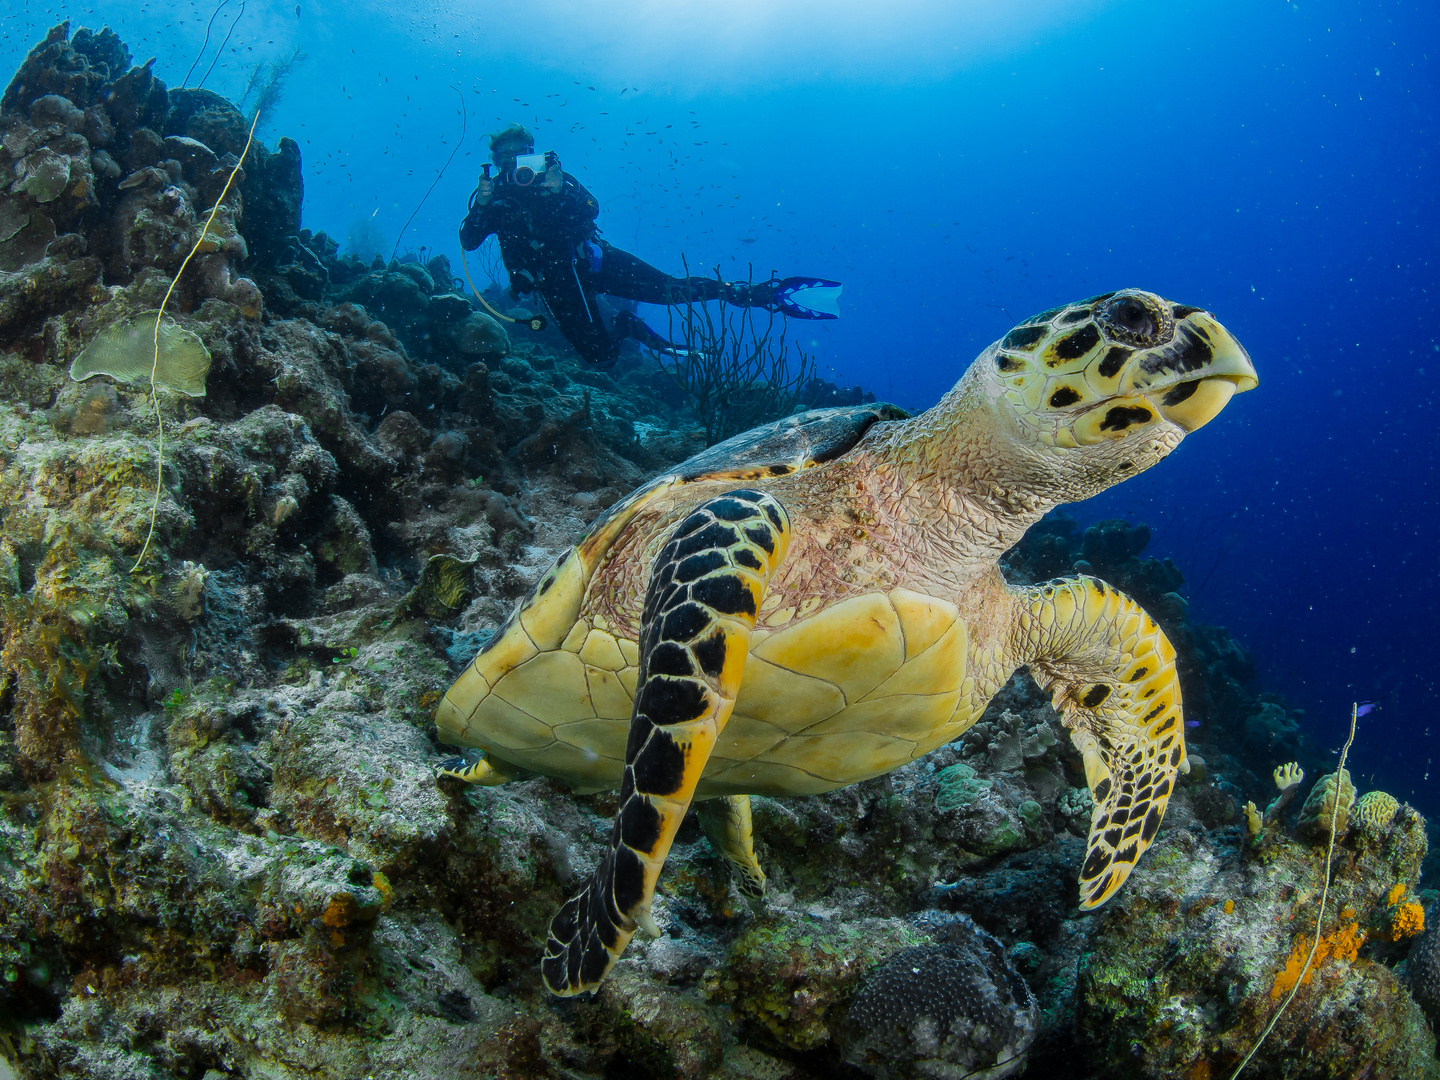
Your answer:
<point x="551" y="245"/>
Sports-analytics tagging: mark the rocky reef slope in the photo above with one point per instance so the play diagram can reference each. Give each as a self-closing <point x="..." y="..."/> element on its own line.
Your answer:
<point x="223" y="849"/>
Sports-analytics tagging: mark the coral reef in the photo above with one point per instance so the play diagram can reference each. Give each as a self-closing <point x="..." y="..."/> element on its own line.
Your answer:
<point x="1193" y="962"/>
<point x="223" y="849"/>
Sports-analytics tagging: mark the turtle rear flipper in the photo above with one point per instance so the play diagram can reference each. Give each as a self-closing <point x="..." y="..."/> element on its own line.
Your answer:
<point x="1111" y="673"/>
<point x="726" y="822"/>
<point x="479" y="770"/>
<point x="705" y="590"/>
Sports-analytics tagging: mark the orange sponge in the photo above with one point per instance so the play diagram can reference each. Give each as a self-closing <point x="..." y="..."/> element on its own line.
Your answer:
<point x="1343" y="944"/>
<point x="1406" y="921"/>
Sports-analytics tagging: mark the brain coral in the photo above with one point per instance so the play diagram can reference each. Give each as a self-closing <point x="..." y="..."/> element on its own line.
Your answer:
<point x="954" y="1008"/>
<point x="1375" y="810"/>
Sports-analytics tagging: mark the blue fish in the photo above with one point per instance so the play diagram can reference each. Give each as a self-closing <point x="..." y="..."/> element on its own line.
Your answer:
<point x="1365" y="708"/>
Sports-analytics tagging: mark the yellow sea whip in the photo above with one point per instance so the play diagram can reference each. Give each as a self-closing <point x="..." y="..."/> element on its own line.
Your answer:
<point x="1320" y="917"/>
<point x="154" y="366"/>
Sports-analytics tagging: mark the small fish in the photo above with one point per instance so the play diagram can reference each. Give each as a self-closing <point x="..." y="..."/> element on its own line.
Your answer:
<point x="1365" y="708"/>
<point x="297" y="11"/>
<point x="1192" y="723"/>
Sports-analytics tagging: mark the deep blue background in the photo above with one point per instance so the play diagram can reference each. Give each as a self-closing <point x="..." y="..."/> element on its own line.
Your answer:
<point x="1273" y="162"/>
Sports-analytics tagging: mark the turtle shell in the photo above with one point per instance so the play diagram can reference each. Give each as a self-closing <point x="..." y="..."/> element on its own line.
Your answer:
<point x="543" y="619"/>
<point x="792" y="443"/>
<point x="787" y="445"/>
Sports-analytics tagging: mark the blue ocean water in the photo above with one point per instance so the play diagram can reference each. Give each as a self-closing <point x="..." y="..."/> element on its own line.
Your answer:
<point x="959" y="167"/>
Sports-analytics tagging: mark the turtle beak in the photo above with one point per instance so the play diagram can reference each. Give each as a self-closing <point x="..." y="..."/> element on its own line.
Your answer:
<point x="1212" y="367"/>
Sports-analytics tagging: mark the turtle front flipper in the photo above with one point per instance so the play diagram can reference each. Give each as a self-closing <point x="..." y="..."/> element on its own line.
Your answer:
<point x="726" y="822"/>
<point x="1111" y="673"/>
<point x="705" y="589"/>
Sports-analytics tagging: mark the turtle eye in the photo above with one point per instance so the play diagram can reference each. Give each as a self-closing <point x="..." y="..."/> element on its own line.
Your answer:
<point x="1130" y="319"/>
<point x="1131" y="314"/>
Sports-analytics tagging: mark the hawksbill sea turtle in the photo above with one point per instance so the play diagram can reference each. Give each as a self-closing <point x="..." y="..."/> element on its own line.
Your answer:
<point x="818" y="601"/>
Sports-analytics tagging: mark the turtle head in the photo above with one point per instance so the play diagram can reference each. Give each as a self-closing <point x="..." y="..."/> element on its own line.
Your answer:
<point x="1104" y="388"/>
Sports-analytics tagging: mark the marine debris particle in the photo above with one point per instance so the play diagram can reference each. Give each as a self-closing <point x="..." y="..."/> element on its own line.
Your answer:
<point x="126" y="352"/>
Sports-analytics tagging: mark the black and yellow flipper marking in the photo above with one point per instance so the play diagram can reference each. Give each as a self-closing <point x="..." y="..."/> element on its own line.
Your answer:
<point x="1111" y="672"/>
<point x="481" y="771"/>
<point x="726" y="822"/>
<point x="705" y="589"/>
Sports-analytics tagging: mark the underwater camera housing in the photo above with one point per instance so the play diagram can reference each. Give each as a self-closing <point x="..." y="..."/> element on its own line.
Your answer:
<point x="529" y="166"/>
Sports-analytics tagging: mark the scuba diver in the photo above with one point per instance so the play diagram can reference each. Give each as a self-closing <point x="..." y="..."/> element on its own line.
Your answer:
<point x="550" y="244"/>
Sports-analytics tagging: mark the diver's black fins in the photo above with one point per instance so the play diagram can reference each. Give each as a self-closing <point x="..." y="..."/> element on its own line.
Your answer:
<point x="808" y="298"/>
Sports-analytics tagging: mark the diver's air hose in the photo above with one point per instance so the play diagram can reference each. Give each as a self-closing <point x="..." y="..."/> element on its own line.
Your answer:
<point x="535" y="322"/>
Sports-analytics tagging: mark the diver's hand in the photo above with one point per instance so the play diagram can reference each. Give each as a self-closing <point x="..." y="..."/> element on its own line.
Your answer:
<point x="554" y="177"/>
<point x="484" y="191"/>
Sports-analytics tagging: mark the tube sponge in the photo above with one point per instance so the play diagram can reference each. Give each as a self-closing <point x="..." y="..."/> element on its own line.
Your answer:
<point x="1288" y="778"/>
<point x="126" y="351"/>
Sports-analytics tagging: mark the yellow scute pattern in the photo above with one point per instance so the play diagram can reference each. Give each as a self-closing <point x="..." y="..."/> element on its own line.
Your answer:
<point x="915" y="718"/>
<point x="456" y="707"/>
<point x="549" y="617"/>
<point x="781" y="697"/>
<point x="744" y="738"/>
<point x="940" y="669"/>
<point x="550" y="687"/>
<point x="843" y="757"/>
<point x="608" y="694"/>
<point x="498" y="725"/>
<point x="601" y="651"/>
<point x="854" y="644"/>
<point x="923" y="619"/>
<point x="508" y="651"/>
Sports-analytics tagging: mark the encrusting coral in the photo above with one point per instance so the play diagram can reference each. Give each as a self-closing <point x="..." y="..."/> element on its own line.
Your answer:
<point x="1327" y="808"/>
<point x="956" y="1007"/>
<point x="1341" y="945"/>
<point x="1190" y="969"/>
<point x="1406" y="918"/>
<point x="1422" y="974"/>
